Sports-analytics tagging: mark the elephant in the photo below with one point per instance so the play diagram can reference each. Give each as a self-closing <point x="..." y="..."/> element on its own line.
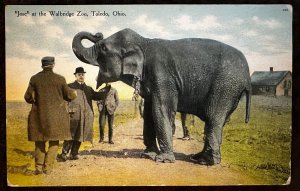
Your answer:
<point x="197" y="76"/>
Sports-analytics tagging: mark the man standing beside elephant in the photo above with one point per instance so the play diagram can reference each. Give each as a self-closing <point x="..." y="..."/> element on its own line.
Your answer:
<point x="48" y="119"/>
<point x="107" y="109"/>
<point x="186" y="133"/>
<point x="81" y="115"/>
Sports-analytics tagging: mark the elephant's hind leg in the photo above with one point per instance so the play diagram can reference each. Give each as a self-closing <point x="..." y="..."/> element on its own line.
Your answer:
<point x="214" y="123"/>
<point x="211" y="153"/>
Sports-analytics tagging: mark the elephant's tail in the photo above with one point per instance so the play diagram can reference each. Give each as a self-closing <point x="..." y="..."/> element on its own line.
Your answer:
<point x="248" y="104"/>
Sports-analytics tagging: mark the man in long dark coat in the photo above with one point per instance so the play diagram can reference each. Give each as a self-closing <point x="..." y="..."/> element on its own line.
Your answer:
<point x="81" y="115"/>
<point x="48" y="119"/>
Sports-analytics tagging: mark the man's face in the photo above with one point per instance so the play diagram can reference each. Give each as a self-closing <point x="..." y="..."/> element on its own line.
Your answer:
<point x="79" y="77"/>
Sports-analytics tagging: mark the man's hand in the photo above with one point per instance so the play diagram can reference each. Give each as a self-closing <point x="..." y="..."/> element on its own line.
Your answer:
<point x="72" y="93"/>
<point x="107" y="88"/>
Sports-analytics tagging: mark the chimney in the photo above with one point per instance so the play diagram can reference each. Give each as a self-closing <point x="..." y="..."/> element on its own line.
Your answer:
<point x="271" y="69"/>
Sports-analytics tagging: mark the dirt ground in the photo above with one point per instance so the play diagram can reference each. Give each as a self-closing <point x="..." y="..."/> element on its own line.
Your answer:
<point x="120" y="165"/>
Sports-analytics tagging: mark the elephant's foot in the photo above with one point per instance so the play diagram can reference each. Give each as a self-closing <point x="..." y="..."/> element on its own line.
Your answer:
<point x="149" y="154"/>
<point x="195" y="157"/>
<point x="165" y="157"/>
<point x="204" y="158"/>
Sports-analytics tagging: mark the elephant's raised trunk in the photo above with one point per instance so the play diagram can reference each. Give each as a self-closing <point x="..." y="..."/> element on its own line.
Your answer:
<point x="87" y="55"/>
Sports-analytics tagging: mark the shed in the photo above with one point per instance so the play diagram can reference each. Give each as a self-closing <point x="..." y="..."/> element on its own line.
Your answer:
<point x="272" y="83"/>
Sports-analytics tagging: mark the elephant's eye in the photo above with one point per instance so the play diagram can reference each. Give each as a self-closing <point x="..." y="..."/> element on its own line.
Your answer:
<point x="103" y="47"/>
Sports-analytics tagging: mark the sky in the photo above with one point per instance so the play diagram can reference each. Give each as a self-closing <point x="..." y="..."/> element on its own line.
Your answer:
<point x="262" y="32"/>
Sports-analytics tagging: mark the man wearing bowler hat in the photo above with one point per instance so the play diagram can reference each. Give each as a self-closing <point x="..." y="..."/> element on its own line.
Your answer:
<point x="81" y="115"/>
<point x="48" y="119"/>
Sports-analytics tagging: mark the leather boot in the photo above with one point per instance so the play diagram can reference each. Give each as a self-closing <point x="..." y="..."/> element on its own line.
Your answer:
<point x="74" y="150"/>
<point x="186" y="134"/>
<point x="110" y="135"/>
<point x="65" y="150"/>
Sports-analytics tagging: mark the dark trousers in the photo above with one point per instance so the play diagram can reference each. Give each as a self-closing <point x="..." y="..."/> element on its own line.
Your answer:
<point x="45" y="160"/>
<point x="110" y="120"/>
<point x="186" y="132"/>
<point x="72" y="145"/>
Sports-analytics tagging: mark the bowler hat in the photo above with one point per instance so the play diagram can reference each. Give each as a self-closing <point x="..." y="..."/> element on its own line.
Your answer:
<point x="79" y="70"/>
<point x="47" y="60"/>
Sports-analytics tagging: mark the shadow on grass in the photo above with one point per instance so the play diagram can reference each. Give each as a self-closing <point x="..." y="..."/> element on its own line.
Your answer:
<point x="128" y="153"/>
<point x="23" y="169"/>
<point x="20" y="170"/>
<point x="24" y="153"/>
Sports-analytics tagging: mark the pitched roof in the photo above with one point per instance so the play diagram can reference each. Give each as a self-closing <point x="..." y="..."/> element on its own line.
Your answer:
<point x="268" y="78"/>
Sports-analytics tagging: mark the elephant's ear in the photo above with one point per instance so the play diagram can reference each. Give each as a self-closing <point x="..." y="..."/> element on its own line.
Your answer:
<point x="133" y="59"/>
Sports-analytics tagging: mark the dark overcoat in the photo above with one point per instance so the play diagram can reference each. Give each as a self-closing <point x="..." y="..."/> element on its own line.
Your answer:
<point x="49" y="118"/>
<point x="81" y="111"/>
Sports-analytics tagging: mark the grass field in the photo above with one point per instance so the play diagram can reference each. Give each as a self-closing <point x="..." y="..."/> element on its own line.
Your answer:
<point x="261" y="148"/>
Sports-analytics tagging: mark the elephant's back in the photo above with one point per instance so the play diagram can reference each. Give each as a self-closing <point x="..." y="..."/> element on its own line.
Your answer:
<point x="202" y="47"/>
<point x="202" y="64"/>
<point x="207" y="55"/>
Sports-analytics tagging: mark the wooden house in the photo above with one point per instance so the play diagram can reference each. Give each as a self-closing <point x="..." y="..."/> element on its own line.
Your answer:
<point x="272" y="83"/>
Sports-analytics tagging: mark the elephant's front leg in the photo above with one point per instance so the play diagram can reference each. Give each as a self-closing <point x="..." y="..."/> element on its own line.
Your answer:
<point x="149" y="134"/>
<point x="163" y="108"/>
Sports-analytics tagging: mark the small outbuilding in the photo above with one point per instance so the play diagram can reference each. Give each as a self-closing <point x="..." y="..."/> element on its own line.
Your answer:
<point x="272" y="83"/>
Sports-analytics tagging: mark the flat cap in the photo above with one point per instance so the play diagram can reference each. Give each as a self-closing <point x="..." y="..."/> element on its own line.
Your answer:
<point x="47" y="60"/>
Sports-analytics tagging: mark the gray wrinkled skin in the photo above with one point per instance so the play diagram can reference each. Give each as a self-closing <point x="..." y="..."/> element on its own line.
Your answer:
<point x="202" y="77"/>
